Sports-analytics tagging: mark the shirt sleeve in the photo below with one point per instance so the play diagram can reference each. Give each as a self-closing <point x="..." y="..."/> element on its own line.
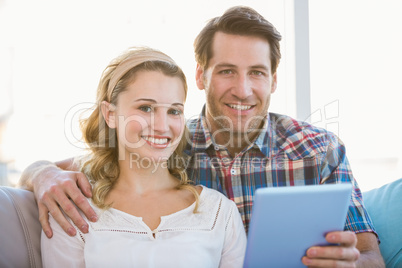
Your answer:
<point x="234" y="247"/>
<point x="62" y="250"/>
<point x="335" y="168"/>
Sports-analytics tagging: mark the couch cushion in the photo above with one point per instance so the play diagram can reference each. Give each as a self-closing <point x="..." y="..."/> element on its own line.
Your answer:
<point x="385" y="208"/>
<point x="20" y="229"/>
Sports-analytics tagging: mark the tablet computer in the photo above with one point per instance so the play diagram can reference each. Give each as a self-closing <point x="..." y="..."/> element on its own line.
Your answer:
<point x="286" y="221"/>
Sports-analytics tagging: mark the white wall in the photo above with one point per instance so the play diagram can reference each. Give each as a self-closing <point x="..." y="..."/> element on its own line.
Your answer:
<point x="356" y="62"/>
<point x="53" y="52"/>
<point x="56" y="51"/>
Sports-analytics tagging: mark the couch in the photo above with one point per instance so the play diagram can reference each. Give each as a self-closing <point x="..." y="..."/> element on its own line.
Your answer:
<point x="20" y="229"/>
<point x="385" y="208"/>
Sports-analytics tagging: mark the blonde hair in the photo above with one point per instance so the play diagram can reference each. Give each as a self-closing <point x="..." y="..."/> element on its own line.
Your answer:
<point x="101" y="165"/>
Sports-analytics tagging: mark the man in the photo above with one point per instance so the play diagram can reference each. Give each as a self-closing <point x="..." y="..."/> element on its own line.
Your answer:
<point x="236" y="146"/>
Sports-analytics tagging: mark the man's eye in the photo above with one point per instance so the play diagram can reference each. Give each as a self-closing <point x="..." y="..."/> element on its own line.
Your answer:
<point x="226" y="72"/>
<point x="146" y="108"/>
<point x="258" y="73"/>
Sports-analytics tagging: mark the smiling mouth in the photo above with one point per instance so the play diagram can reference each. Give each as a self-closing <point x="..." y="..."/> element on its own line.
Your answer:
<point x="162" y="141"/>
<point x="240" y="107"/>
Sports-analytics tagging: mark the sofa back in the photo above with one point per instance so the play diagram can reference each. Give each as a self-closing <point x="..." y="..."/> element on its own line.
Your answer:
<point x="20" y="229"/>
<point x="384" y="206"/>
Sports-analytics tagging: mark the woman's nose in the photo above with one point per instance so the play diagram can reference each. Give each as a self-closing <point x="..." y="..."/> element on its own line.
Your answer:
<point x="160" y="121"/>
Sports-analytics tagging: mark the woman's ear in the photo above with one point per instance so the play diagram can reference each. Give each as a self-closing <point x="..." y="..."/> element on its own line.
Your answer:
<point x="108" y="112"/>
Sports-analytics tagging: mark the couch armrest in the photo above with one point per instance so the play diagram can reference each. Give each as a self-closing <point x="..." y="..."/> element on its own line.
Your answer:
<point x="20" y="229"/>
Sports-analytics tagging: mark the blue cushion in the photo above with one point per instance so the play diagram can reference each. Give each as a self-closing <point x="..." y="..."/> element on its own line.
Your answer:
<point x="385" y="208"/>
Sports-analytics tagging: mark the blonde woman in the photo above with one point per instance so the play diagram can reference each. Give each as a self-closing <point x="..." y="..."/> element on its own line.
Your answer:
<point x="149" y="215"/>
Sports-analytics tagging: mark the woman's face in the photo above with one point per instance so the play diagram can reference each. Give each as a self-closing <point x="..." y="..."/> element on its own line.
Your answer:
<point x="149" y="117"/>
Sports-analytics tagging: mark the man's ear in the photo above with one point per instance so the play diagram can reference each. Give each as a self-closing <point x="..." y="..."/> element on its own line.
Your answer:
<point x="274" y="83"/>
<point x="199" y="77"/>
<point x="108" y="113"/>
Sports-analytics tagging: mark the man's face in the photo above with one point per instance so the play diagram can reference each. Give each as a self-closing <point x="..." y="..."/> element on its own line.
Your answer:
<point x="238" y="82"/>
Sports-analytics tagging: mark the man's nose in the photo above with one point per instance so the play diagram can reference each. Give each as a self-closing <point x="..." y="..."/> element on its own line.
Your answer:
<point x="242" y="89"/>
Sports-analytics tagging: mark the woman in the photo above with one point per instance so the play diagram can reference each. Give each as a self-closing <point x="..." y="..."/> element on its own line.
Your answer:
<point x="148" y="213"/>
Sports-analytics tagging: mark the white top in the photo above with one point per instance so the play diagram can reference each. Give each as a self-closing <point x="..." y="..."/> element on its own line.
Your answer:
<point x="213" y="237"/>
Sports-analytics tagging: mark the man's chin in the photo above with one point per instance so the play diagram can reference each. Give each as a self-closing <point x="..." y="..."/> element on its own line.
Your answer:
<point x="237" y="124"/>
<point x="239" y="130"/>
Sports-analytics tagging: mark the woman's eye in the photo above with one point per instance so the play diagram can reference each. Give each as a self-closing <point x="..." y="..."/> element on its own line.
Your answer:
<point x="175" y="112"/>
<point x="146" y="108"/>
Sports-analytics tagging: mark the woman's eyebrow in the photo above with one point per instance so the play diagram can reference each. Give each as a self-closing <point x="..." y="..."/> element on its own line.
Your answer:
<point x="143" y="99"/>
<point x="154" y="101"/>
<point x="178" y="104"/>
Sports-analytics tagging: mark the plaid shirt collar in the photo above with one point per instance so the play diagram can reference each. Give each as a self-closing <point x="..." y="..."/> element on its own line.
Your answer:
<point x="279" y="134"/>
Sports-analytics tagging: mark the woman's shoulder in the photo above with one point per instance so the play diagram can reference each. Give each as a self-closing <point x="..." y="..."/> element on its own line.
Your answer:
<point x="212" y="192"/>
<point x="213" y="197"/>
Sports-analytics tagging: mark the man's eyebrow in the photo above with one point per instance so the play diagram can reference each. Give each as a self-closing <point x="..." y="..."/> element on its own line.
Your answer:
<point x="229" y="65"/>
<point x="225" y="65"/>
<point x="260" y="66"/>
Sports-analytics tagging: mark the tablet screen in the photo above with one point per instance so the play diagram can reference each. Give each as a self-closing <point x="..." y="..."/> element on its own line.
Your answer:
<point x="286" y="221"/>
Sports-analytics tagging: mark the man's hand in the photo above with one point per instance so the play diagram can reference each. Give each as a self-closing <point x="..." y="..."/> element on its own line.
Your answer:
<point x="354" y="250"/>
<point x="55" y="188"/>
<point x="344" y="255"/>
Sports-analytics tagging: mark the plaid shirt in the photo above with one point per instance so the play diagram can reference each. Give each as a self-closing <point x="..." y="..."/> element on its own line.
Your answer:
<point x="286" y="153"/>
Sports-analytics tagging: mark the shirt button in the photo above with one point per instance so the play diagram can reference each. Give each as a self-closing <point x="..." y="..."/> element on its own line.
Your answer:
<point x="233" y="171"/>
<point x="216" y="148"/>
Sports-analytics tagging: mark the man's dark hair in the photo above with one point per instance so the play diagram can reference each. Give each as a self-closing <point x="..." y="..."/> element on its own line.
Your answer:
<point x="238" y="20"/>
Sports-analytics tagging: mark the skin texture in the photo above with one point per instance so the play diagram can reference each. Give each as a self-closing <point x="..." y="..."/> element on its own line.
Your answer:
<point x="238" y="84"/>
<point x="143" y="114"/>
